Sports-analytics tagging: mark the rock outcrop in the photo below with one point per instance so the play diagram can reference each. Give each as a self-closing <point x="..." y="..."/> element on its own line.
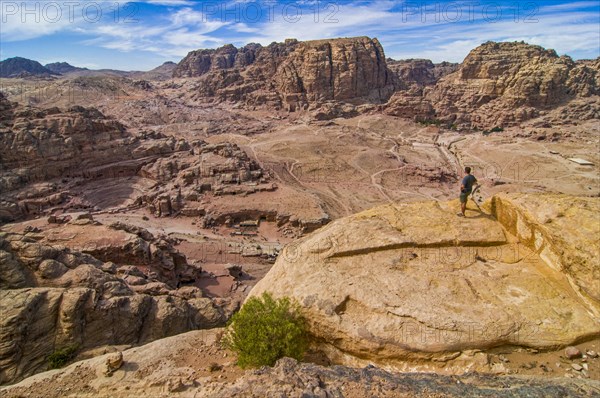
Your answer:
<point x="562" y="230"/>
<point x="177" y="367"/>
<point x="418" y="73"/>
<point x="503" y="84"/>
<point x="53" y="297"/>
<point x="293" y="75"/>
<point x="413" y="286"/>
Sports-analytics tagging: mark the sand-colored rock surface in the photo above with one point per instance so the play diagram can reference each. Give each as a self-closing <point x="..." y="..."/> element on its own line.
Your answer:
<point x="563" y="230"/>
<point x="413" y="286"/>
<point x="193" y="365"/>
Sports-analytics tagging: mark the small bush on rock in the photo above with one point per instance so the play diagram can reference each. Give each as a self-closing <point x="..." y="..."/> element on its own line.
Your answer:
<point x="265" y="330"/>
<point x="61" y="357"/>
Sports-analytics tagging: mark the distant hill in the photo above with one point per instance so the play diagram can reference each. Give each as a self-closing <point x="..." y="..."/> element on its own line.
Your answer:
<point x="23" y="67"/>
<point x="63" y="67"/>
<point x="19" y="67"/>
<point x="162" y="72"/>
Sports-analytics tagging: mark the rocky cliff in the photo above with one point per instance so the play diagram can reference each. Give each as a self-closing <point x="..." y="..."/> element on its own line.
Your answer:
<point x="418" y="73"/>
<point x="503" y="84"/>
<point x="111" y="285"/>
<point x="413" y="286"/>
<point x="293" y="74"/>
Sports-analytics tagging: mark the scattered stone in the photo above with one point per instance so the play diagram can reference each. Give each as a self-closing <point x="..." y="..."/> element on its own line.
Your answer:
<point x="592" y="354"/>
<point x="85" y="216"/>
<point x="585" y="366"/>
<point x="234" y="270"/>
<point x="577" y="367"/>
<point x="214" y="367"/>
<point x="529" y="365"/>
<point x="112" y="363"/>
<point x="585" y="373"/>
<point x="572" y="352"/>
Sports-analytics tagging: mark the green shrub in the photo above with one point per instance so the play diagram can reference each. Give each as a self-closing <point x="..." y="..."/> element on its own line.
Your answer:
<point x="61" y="357"/>
<point x="265" y="330"/>
<point x="496" y="129"/>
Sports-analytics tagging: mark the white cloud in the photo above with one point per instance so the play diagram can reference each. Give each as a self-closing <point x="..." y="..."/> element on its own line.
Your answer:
<point x="172" y="3"/>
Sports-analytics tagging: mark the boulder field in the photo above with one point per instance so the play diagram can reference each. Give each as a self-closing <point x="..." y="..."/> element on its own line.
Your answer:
<point x="414" y="287"/>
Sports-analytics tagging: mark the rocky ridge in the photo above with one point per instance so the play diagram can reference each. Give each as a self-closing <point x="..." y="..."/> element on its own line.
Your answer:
<point x="503" y="84"/>
<point x="48" y="155"/>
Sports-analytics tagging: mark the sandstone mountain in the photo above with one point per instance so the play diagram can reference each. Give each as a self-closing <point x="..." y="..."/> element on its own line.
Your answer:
<point x="502" y="84"/>
<point x="498" y="84"/>
<point x="86" y="286"/>
<point x="18" y="66"/>
<point x="413" y="286"/>
<point x="293" y="75"/>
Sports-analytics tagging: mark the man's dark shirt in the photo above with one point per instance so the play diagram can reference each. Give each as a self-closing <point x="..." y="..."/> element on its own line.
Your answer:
<point x="468" y="182"/>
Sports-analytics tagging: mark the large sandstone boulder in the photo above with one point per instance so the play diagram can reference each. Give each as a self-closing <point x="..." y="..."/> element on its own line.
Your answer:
<point x="413" y="286"/>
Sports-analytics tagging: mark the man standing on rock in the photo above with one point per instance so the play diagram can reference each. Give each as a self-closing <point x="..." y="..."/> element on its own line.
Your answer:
<point x="466" y="187"/>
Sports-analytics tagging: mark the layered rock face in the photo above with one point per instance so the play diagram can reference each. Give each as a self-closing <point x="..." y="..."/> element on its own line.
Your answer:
<point x="502" y="84"/>
<point x="426" y="290"/>
<point x="46" y="154"/>
<point x="39" y="145"/>
<point x="562" y="230"/>
<point x="53" y="297"/>
<point x="418" y="73"/>
<point x="293" y="74"/>
<point x="216" y="169"/>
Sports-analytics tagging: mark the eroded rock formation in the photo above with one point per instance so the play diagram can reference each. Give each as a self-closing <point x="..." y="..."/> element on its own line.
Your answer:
<point x="413" y="286"/>
<point x="503" y="84"/>
<point x="134" y="289"/>
<point x="293" y="75"/>
<point x="45" y="155"/>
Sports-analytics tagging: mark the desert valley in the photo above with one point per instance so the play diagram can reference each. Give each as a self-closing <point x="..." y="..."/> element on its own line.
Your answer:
<point x="138" y="210"/>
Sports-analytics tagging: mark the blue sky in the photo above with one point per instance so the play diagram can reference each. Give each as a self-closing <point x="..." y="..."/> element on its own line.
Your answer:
<point x="143" y="34"/>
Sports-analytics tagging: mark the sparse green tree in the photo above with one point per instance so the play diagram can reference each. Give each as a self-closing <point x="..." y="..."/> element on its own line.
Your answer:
<point x="61" y="357"/>
<point x="265" y="330"/>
